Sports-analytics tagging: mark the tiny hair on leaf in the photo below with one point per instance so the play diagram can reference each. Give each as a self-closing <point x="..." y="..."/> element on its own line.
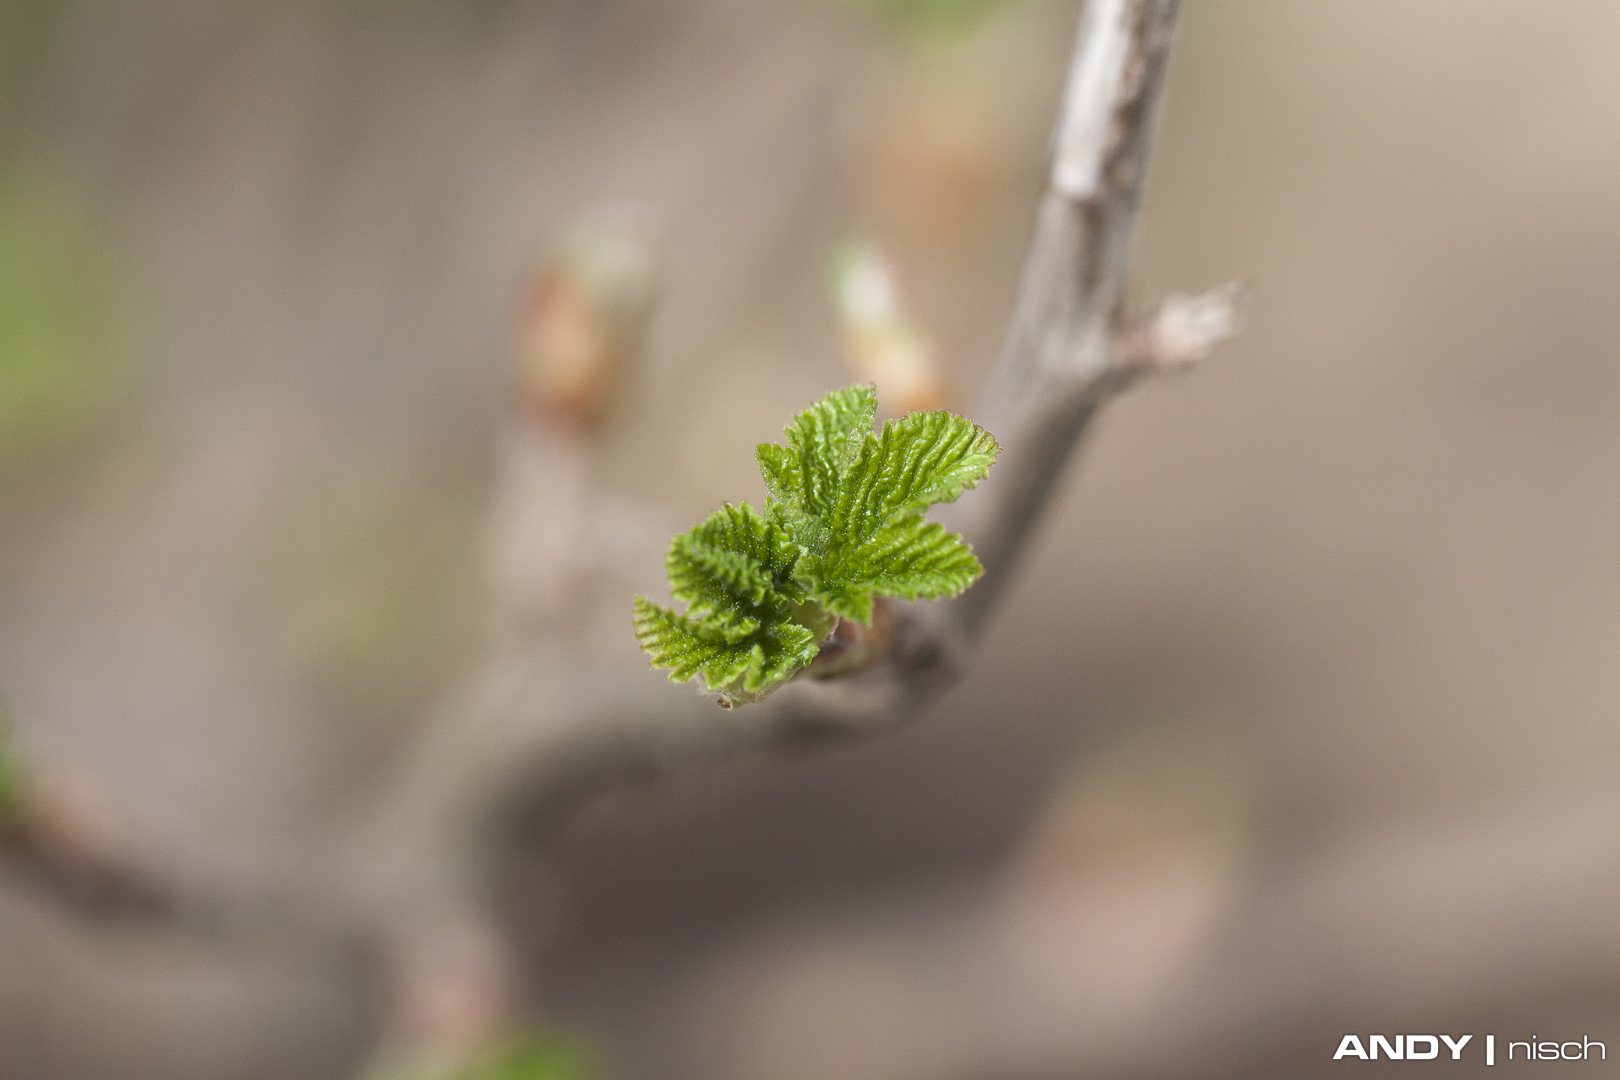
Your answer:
<point x="843" y="524"/>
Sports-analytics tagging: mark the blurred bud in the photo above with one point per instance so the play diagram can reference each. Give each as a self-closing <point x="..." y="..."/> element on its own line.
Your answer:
<point x="928" y="158"/>
<point x="881" y="343"/>
<point x="1184" y="329"/>
<point x="66" y="814"/>
<point x="584" y="314"/>
<point x="455" y="993"/>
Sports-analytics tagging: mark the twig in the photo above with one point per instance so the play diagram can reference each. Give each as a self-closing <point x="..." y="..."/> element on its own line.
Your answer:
<point x="554" y="718"/>
<point x="570" y="724"/>
<point x="63" y="838"/>
<point x="1183" y="330"/>
<point x="1061" y="361"/>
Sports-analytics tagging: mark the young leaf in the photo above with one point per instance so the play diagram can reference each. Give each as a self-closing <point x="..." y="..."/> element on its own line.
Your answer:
<point x="735" y="574"/>
<point x="822" y="441"/>
<point x="871" y="540"/>
<point x="842" y="526"/>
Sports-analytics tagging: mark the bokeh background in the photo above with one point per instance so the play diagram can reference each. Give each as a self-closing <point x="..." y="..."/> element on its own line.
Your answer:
<point x="1300" y="720"/>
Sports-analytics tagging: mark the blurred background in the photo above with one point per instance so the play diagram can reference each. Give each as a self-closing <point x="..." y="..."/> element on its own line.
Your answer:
<point x="1299" y="720"/>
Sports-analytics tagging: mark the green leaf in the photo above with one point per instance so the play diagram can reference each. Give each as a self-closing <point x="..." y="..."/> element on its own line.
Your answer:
<point x="735" y="573"/>
<point x="913" y="560"/>
<point x="918" y="460"/>
<point x="821" y="443"/>
<point x="754" y="665"/>
<point x="868" y="539"/>
<point x="842" y="526"/>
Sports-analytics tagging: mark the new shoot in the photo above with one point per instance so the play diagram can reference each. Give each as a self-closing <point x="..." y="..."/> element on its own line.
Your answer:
<point x="842" y="525"/>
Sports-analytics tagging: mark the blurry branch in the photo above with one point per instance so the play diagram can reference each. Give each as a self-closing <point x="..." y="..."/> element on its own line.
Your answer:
<point x="1065" y="356"/>
<point x="580" y="329"/>
<point x="555" y="716"/>
<point x="59" y="835"/>
<point x="552" y="530"/>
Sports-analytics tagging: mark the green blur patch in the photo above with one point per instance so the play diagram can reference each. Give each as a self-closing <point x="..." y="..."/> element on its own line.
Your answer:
<point x="58" y="376"/>
<point x="11" y="773"/>
<point x="935" y="22"/>
<point x="541" y="1056"/>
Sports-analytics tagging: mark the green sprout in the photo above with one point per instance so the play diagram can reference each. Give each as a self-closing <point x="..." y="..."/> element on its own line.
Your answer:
<point x="843" y="524"/>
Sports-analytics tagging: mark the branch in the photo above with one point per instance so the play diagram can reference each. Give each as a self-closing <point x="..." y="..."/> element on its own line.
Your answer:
<point x="555" y="715"/>
<point x="1062" y="361"/>
<point x="62" y="837"/>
